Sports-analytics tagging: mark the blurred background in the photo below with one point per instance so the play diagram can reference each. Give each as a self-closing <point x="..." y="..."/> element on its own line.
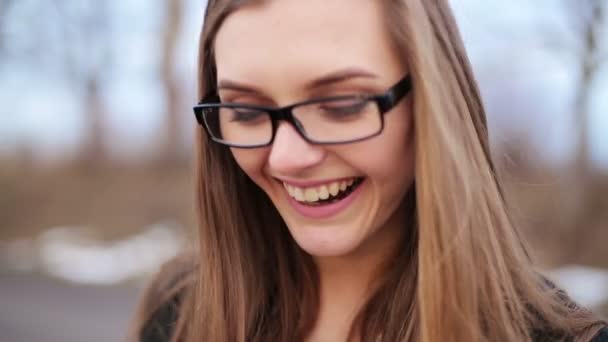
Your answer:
<point x="96" y="148"/>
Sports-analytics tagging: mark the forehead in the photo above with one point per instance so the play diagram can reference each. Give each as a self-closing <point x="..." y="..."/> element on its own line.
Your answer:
<point x="287" y="40"/>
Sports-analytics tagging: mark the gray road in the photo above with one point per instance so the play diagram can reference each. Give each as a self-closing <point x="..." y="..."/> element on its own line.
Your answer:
<point x="38" y="309"/>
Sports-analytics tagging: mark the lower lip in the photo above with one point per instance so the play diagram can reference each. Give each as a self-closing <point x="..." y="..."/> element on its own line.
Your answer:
<point x="327" y="210"/>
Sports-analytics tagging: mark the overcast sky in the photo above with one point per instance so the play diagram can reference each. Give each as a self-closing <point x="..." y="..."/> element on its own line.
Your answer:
<point x="523" y="53"/>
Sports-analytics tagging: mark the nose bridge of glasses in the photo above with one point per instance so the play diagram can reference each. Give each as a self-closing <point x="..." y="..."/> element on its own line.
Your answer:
<point x="286" y="114"/>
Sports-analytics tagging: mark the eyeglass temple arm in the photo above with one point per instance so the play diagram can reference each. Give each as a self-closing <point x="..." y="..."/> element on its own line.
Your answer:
<point x="395" y="94"/>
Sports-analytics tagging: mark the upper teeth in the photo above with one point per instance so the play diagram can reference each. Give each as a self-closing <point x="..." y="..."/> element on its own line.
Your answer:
<point x="317" y="193"/>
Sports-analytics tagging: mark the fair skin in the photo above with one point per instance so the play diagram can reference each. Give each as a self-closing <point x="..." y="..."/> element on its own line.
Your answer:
<point x="271" y="54"/>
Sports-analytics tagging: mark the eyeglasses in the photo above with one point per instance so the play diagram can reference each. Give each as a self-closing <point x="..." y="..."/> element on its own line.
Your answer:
<point x="330" y="120"/>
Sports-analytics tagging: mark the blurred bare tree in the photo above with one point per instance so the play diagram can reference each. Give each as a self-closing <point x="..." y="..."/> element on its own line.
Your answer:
<point x="66" y="42"/>
<point x="591" y="19"/>
<point x="87" y="45"/>
<point x="584" y="43"/>
<point x="588" y="19"/>
<point x="172" y="147"/>
<point x="4" y="7"/>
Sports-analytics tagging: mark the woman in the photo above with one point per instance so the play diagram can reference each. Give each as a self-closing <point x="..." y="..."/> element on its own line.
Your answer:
<point x="346" y="190"/>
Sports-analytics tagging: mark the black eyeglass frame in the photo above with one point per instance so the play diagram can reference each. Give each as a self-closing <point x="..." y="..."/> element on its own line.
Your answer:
<point x="385" y="103"/>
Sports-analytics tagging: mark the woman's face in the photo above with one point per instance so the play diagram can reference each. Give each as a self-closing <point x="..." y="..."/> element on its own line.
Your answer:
<point x="271" y="54"/>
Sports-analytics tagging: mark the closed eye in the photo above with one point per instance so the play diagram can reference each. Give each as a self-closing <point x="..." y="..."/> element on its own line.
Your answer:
<point x="242" y="115"/>
<point x="344" y="111"/>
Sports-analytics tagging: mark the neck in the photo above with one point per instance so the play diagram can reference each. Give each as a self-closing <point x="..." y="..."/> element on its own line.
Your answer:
<point x="348" y="281"/>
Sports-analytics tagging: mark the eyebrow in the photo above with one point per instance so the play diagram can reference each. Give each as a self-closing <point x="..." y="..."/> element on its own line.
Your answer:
<point x="236" y="86"/>
<point x="340" y="76"/>
<point x="329" y="79"/>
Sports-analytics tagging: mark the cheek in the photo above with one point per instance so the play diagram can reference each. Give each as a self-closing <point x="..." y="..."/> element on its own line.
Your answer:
<point x="390" y="156"/>
<point x="391" y="164"/>
<point x="391" y="168"/>
<point x="400" y="139"/>
<point x="252" y="162"/>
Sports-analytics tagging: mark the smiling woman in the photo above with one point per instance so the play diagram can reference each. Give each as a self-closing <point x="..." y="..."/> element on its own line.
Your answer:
<point x="346" y="190"/>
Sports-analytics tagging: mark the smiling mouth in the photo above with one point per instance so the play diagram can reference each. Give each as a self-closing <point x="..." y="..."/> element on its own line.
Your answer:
<point x="324" y="194"/>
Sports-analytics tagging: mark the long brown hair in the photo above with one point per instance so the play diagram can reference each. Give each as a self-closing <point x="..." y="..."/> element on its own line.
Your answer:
<point x="463" y="273"/>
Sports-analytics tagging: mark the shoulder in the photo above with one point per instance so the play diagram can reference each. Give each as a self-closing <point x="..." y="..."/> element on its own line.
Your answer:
<point x="584" y="324"/>
<point x="161" y="301"/>
<point x="161" y="323"/>
<point x="602" y="336"/>
<point x="589" y="334"/>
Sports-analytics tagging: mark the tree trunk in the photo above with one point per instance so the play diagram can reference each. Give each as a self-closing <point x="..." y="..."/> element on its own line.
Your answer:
<point x="171" y="149"/>
<point x="589" y="67"/>
<point x="579" y="201"/>
<point x="94" y="150"/>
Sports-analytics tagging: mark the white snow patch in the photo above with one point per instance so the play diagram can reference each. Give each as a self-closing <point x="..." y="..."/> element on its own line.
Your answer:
<point x="588" y="286"/>
<point x="70" y="253"/>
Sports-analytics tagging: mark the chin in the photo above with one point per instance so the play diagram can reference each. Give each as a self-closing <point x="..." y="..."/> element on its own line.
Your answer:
<point x="326" y="241"/>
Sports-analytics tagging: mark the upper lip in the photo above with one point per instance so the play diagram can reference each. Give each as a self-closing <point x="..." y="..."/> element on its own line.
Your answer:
<point x="311" y="183"/>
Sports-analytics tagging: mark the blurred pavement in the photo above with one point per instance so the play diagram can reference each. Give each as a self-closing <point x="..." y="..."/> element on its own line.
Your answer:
<point x="38" y="309"/>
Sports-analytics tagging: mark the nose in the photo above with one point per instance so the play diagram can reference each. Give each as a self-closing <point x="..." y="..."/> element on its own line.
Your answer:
<point x="290" y="153"/>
